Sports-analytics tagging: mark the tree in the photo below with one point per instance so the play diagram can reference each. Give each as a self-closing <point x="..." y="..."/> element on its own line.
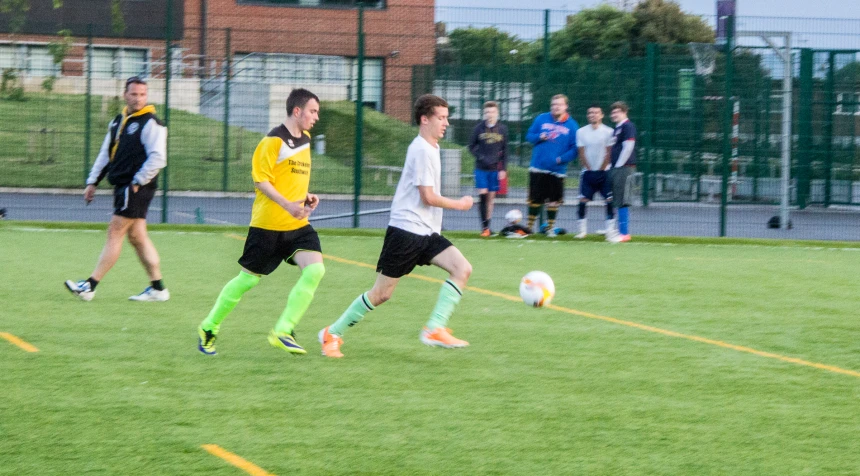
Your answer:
<point x="605" y="32"/>
<point x="481" y="46"/>
<point x="601" y="32"/>
<point x="663" y="21"/>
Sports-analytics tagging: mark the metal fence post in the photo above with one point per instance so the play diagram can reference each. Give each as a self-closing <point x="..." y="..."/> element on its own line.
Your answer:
<point x="728" y="111"/>
<point x="88" y="121"/>
<point x="227" y="67"/>
<point x="650" y="73"/>
<point x="830" y="97"/>
<point x="804" y="123"/>
<point x="168" y="33"/>
<point x="546" y="14"/>
<point x="359" y="119"/>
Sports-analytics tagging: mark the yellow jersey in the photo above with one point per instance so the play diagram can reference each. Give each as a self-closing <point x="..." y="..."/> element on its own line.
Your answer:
<point x="285" y="161"/>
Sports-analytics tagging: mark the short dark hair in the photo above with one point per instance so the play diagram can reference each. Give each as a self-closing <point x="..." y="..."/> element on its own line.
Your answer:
<point x="134" y="80"/>
<point x="298" y="99"/>
<point x="491" y="104"/>
<point x="424" y="106"/>
<point x="619" y="105"/>
<point x="595" y="106"/>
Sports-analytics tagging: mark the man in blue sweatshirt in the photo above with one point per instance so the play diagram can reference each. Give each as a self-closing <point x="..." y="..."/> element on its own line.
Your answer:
<point x="489" y="145"/>
<point x="554" y="137"/>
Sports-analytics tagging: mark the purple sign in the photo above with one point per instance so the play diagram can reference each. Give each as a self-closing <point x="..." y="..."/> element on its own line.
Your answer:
<point x="725" y="10"/>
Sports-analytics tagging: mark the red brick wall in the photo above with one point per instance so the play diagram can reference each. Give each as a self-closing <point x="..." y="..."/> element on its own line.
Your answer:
<point x="404" y="26"/>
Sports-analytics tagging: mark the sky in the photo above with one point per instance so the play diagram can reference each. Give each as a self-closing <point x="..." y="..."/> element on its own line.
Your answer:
<point x="782" y="8"/>
<point x="821" y="24"/>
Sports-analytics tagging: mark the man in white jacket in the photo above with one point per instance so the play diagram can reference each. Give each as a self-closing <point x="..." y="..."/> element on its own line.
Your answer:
<point x="133" y="152"/>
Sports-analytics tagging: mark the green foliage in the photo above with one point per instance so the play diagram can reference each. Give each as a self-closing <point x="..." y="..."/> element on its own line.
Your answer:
<point x="48" y="83"/>
<point x="17" y="11"/>
<point x="483" y="46"/>
<point x="602" y="32"/>
<point x="10" y="86"/>
<point x="117" y="20"/>
<point x="385" y="138"/>
<point x="60" y="47"/>
<point x="662" y="21"/>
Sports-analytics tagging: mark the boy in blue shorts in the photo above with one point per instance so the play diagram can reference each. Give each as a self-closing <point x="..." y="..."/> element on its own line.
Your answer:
<point x="489" y="145"/>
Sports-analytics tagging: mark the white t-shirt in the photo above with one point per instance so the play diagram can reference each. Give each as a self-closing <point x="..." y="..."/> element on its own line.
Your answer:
<point x="423" y="167"/>
<point x="595" y="142"/>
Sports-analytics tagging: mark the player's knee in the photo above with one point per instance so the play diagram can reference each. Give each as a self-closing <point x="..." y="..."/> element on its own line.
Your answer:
<point x="379" y="296"/>
<point x="314" y="273"/>
<point x="463" y="271"/>
<point x="135" y="238"/>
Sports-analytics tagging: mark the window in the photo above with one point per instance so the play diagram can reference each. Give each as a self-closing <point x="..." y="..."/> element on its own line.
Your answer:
<point x="108" y="62"/>
<point x="29" y="60"/>
<point x="371" y="93"/>
<point x="320" y="3"/>
<point x="119" y="62"/>
<point x="847" y="104"/>
<point x="287" y="68"/>
<point x="311" y="70"/>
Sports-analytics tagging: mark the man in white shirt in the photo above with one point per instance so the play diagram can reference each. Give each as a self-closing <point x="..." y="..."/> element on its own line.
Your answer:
<point x="594" y="141"/>
<point x="414" y="236"/>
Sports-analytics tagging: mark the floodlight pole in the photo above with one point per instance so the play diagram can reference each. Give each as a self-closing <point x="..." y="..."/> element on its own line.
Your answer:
<point x="785" y="53"/>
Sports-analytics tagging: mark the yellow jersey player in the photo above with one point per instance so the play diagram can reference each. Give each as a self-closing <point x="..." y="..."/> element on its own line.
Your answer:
<point x="279" y="230"/>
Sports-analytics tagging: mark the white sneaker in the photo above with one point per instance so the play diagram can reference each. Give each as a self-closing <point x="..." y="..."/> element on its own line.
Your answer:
<point x="610" y="225"/>
<point x="583" y="229"/>
<point x="81" y="289"/>
<point x="613" y="236"/>
<point x="551" y="233"/>
<point x="151" y="295"/>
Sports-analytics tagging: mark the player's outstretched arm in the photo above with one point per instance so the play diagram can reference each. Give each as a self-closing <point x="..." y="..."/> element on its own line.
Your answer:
<point x="433" y="199"/>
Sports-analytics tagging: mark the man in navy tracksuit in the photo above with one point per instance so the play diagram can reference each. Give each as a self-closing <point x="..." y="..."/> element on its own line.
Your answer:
<point x="554" y="137"/>
<point x="623" y="156"/>
<point x="133" y="152"/>
<point x="489" y="145"/>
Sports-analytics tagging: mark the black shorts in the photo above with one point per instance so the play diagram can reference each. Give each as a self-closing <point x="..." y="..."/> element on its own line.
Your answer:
<point x="402" y="251"/>
<point x="593" y="181"/>
<point x="265" y="249"/>
<point x="130" y="204"/>
<point x="545" y="188"/>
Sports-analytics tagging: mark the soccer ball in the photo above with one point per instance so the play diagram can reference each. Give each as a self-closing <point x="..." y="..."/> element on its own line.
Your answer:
<point x="537" y="289"/>
<point x="514" y="216"/>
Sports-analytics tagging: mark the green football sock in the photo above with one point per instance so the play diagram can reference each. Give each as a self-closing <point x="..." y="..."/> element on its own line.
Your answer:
<point x="449" y="297"/>
<point x="227" y="300"/>
<point x="354" y="313"/>
<point x="300" y="298"/>
<point x="551" y="213"/>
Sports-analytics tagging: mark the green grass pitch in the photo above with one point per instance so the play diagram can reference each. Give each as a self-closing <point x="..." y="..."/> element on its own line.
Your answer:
<point x="118" y="387"/>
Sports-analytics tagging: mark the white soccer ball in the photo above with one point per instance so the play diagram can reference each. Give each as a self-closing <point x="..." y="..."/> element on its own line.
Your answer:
<point x="537" y="289"/>
<point x="514" y="216"/>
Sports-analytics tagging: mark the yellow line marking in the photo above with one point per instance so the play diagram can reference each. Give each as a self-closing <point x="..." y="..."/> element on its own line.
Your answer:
<point x="234" y="236"/>
<point x="236" y="460"/>
<point x="644" y="327"/>
<point x="19" y="342"/>
<point x="636" y="325"/>
<point x="756" y="260"/>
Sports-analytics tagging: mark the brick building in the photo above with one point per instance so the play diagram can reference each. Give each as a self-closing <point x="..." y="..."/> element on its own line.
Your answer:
<point x="274" y="45"/>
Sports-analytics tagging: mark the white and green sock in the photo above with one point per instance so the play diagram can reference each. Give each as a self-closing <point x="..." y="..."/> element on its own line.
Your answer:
<point x="449" y="297"/>
<point x="353" y="314"/>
